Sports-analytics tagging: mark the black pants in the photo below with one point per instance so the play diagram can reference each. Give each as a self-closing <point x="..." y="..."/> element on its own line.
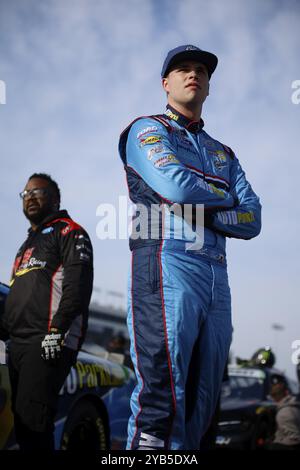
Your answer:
<point x="35" y="386"/>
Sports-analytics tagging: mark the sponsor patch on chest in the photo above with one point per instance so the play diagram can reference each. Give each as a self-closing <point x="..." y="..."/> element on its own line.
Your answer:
<point x="219" y="159"/>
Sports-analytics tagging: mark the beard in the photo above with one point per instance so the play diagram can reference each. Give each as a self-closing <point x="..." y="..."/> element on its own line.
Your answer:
<point x="39" y="214"/>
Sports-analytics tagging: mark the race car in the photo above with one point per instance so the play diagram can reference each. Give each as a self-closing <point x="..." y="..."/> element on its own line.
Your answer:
<point x="94" y="404"/>
<point x="247" y="416"/>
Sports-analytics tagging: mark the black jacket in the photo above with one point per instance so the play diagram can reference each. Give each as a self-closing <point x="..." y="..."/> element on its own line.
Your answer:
<point x="51" y="282"/>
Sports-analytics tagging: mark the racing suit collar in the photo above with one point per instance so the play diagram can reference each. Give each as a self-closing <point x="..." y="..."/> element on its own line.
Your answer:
<point x="192" y="126"/>
<point x="53" y="216"/>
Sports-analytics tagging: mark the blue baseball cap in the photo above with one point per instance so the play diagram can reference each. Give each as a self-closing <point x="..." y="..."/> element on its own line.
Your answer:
<point x="189" y="52"/>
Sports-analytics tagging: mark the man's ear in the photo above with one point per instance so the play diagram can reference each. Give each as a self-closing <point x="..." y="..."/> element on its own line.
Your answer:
<point x="55" y="203"/>
<point x="208" y="89"/>
<point x="165" y="85"/>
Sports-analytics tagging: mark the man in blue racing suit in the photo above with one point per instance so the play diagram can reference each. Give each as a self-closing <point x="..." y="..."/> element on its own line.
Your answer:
<point x="179" y="312"/>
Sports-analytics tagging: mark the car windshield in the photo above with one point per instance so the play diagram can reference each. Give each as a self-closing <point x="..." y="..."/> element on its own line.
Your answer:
<point x="243" y="388"/>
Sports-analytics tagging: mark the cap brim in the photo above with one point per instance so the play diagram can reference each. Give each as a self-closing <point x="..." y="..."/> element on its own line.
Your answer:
<point x="207" y="58"/>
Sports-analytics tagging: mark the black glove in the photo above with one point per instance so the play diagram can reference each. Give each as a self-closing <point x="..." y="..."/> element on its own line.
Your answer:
<point x="52" y="345"/>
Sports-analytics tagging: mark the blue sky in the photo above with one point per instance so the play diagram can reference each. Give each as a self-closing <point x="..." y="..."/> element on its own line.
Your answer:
<point x="77" y="72"/>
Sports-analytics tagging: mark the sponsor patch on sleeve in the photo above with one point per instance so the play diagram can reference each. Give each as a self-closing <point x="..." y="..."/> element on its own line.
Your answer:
<point x="236" y="217"/>
<point x="163" y="161"/>
<point x="152" y="139"/>
<point x="154" y="150"/>
<point x="147" y="130"/>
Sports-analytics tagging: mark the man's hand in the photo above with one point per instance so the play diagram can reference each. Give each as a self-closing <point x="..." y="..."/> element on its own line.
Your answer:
<point x="52" y="345"/>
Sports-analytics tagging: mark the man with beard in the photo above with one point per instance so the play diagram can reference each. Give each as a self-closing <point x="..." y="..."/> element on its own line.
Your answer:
<point x="46" y="311"/>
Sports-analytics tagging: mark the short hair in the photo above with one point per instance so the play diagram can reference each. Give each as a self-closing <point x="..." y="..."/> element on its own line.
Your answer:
<point x="51" y="182"/>
<point x="277" y="379"/>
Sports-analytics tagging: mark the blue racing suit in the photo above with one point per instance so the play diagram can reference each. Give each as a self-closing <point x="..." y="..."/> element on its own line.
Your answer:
<point x="179" y="310"/>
